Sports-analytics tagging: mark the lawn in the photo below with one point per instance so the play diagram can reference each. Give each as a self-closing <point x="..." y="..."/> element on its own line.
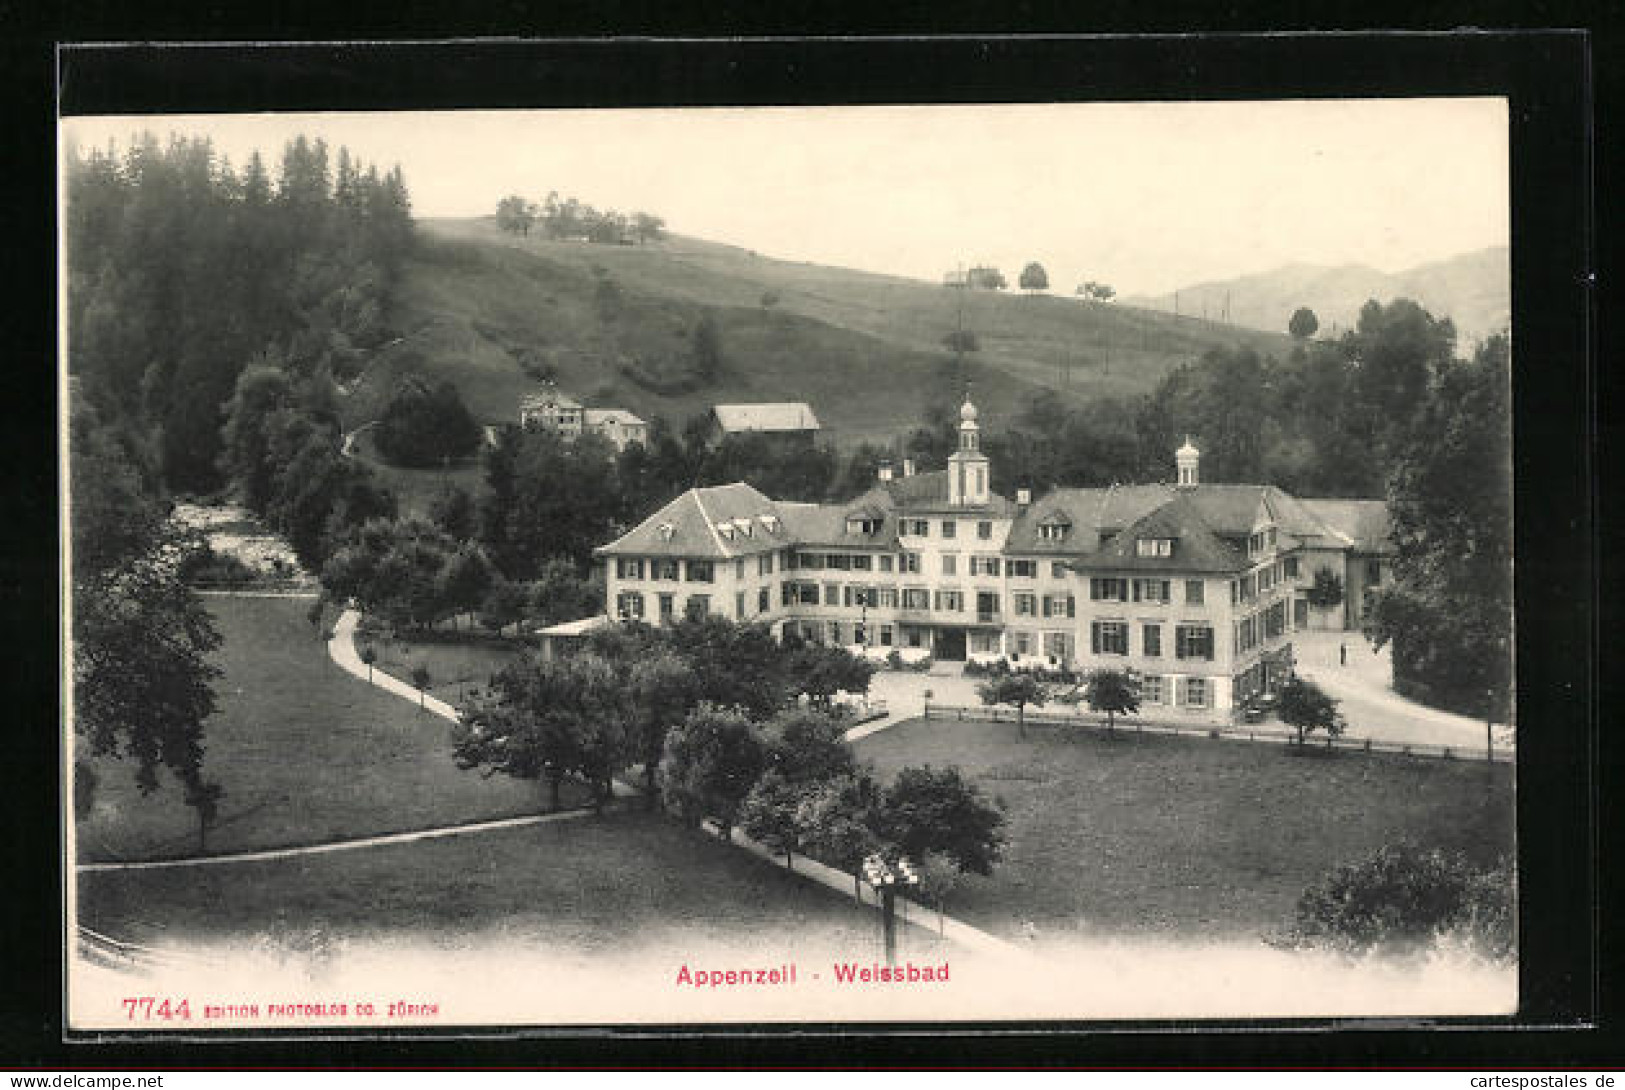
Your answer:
<point x="305" y="752"/>
<point x="589" y="885"/>
<point x="1164" y="836"/>
<point x="458" y="661"/>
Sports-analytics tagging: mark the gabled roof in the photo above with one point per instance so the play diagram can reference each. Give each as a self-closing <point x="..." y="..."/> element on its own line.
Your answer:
<point x="766" y="416"/>
<point x="693" y="520"/>
<point x="927" y="494"/>
<point x="553" y="397"/>
<point x="1197" y="545"/>
<point x="611" y="416"/>
<point x="1091" y="513"/>
<point x="1363" y="523"/>
<point x="825" y="524"/>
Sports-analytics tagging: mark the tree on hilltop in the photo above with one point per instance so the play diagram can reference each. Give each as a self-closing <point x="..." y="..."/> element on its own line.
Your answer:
<point x="516" y="215"/>
<point x="1303" y="324"/>
<point x="985" y="277"/>
<point x="648" y="227"/>
<point x="1034" y="278"/>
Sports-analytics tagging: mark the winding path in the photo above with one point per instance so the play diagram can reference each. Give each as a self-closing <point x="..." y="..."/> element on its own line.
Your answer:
<point x="341" y="648"/>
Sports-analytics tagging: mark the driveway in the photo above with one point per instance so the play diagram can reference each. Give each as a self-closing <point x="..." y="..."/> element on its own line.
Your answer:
<point x="1363" y="685"/>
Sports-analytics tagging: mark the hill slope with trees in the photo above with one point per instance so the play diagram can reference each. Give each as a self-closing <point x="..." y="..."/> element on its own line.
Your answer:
<point x="497" y="311"/>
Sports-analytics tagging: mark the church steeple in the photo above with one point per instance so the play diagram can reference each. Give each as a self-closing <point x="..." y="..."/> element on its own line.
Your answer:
<point x="968" y="466"/>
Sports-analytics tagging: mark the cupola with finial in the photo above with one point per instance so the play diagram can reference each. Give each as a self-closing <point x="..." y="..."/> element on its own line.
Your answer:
<point x="967" y="466"/>
<point x="1188" y="459"/>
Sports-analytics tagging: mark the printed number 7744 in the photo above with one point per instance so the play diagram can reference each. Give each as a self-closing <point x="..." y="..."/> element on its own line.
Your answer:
<point x="148" y="1007"/>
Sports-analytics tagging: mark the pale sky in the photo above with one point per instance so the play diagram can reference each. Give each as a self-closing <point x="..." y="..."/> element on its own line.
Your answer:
<point x="1144" y="196"/>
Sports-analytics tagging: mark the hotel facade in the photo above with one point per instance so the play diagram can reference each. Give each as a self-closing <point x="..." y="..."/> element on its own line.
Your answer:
<point x="1197" y="588"/>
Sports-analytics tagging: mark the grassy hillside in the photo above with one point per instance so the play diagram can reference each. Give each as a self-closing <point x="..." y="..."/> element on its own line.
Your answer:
<point x="496" y="313"/>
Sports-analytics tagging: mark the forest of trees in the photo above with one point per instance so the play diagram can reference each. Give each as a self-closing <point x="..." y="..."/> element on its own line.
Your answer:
<point x="210" y="311"/>
<point x="182" y="268"/>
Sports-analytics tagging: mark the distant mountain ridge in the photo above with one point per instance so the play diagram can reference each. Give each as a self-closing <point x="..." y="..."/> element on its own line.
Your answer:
<point x="1473" y="290"/>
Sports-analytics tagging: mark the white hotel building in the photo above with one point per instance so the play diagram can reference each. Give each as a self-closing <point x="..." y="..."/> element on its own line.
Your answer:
<point x="1196" y="587"/>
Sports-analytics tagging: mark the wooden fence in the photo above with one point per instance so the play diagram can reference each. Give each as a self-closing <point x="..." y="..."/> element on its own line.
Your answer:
<point x="1501" y="754"/>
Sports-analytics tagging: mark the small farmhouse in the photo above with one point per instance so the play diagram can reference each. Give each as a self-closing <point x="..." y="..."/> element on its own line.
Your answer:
<point x="790" y="419"/>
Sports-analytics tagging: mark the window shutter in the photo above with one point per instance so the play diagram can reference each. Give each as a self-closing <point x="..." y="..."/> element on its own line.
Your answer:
<point x="1094" y="637"/>
<point x="1071" y="606"/>
<point x="1136" y="590"/>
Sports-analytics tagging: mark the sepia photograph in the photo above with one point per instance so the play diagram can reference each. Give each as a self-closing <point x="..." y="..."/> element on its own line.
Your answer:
<point x="788" y="565"/>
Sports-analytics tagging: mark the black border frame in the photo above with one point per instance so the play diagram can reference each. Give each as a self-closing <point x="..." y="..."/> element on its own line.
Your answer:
<point x="1547" y="77"/>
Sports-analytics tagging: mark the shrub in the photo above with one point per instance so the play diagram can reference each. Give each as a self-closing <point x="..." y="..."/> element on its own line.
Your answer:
<point x="204" y="565"/>
<point x="1402" y="899"/>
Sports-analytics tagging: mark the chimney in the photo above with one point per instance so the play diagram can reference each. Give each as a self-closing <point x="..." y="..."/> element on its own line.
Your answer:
<point x="908" y="467"/>
<point x="1024" y="496"/>
<point x="885" y="471"/>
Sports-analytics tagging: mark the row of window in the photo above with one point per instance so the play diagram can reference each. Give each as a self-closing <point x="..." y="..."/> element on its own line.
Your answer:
<point x="629" y="605"/>
<point x="950" y="600"/>
<point x="948" y="528"/>
<point x="1191" y="641"/>
<point x="1159" y="591"/>
<point x="1188" y="692"/>
<point x="704" y="571"/>
<point x="666" y="569"/>
<point x="1251" y="585"/>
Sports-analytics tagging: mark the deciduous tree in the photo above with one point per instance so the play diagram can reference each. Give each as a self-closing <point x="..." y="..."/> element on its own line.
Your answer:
<point x="1448" y="613"/>
<point x="839" y="819"/>
<point x="711" y="762"/>
<point x="1113" y="692"/>
<point x="1017" y="690"/>
<point x="1305" y="707"/>
<point x="516" y="215"/>
<point x="142" y="641"/>
<point x="1034" y="278"/>
<point x="1303" y="324"/>
<point x="927" y="809"/>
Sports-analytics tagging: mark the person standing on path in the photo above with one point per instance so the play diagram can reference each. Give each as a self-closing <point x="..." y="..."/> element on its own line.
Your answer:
<point x="1342" y="654"/>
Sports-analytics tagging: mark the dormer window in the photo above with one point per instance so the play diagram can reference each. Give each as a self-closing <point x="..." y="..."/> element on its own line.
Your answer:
<point x="1154" y="547"/>
<point x="1053" y="531"/>
<point x="864" y="526"/>
<point x="771" y="522"/>
<point x="666" y="530"/>
<point x="727" y="531"/>
<point x="744" y="526"/>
